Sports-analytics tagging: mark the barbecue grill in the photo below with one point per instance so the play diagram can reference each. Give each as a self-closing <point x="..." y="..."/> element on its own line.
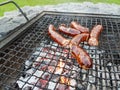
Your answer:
<point x="31" y="60"/>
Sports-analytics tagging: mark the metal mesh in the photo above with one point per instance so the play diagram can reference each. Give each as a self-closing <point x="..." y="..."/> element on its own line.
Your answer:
<point x="35" y="56"/>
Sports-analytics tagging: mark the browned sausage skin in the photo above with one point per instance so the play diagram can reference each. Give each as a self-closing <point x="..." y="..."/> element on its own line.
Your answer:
<point x="68" y="31"/>
<point x="78" y="53"/>
<point x="81" y="56"/>
<point x="94" y="35"/>
<point x="57" y="37"/>
<point x="79" y="27"/>
<point x="79" y="38"/>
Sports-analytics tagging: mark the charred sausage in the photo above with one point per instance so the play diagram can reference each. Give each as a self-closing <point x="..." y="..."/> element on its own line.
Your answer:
<point x="68" y="31"/>
<point x="81" y="56"/>
<point x="57" y="37"/>
<point x="79" y="27"/>
<point x="94" y="35"/>
<point x="79" y="38"/>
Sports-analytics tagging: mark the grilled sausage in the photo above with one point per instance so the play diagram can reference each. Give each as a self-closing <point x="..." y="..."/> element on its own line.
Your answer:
<point x="68" y="31"/>
<point x="57" y="37"/>
<point x="79" y="27"/>
<point x="94" y="35"/>
<point x="81" y="56"/>
<point x="79" y="38"/>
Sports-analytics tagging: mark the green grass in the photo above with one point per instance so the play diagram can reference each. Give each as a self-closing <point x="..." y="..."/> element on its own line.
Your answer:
<point x="22" y="3"/>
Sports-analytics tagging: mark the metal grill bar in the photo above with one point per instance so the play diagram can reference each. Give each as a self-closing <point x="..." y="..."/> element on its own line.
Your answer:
<point x="7" y="2"/>
<point x="34" y="56"/>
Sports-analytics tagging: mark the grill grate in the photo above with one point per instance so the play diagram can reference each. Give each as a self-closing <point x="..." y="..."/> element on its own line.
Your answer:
<point x="35" y="61"/>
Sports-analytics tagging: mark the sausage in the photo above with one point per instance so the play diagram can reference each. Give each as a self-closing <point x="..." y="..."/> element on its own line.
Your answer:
<point x="81" y="56"/>
<point x="79" y="27"/>
<point x="57" y="37"/>
<point x="68" y="31"/>
<point x="79" y="38"/>
<point x="94" y="35"/>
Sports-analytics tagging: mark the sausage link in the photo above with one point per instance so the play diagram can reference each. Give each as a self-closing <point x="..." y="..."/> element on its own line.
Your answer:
<point x="57" y="37"/>
<point x="81" y="56"/>
<point x="79" y="27"/>
<point x="68" y="31"/>
<point x="79" y="38"/>
<point x="94" y="35"/>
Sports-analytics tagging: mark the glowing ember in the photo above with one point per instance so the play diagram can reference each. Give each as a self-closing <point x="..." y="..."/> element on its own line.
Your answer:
<point x="50" y="69"/>
<point x="61" y="63"/>
<point x="59" y="67"/>
<point x="58" y="70"/>
<point x="64" y="80"/>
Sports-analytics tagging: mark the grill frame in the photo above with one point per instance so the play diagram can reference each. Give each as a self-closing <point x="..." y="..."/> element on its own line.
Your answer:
<point x="21" y="30"/>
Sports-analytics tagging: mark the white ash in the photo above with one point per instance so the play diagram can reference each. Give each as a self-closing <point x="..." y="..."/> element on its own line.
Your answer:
<point x="28" y="63"/>
<point x="51" y="85"/>
<point x="21" y="81"/>
<point x="38" y="73"/>
<point x="38" y="60"/>
<point x="37" y="53"/>
<point x="41" y="69"/>
<point x="91" y="87"/>
<point x="74" y="74"/>
<point x="102" y="72"/>
<point x="71" y="88"/>
<point x="29" y="72"/>
<point x="118" y="85"/>
<point x="55" y="78"/>
<point x="91" y="79"/>
<point x="95" y="53"/>
<point x="73" y="82"/>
